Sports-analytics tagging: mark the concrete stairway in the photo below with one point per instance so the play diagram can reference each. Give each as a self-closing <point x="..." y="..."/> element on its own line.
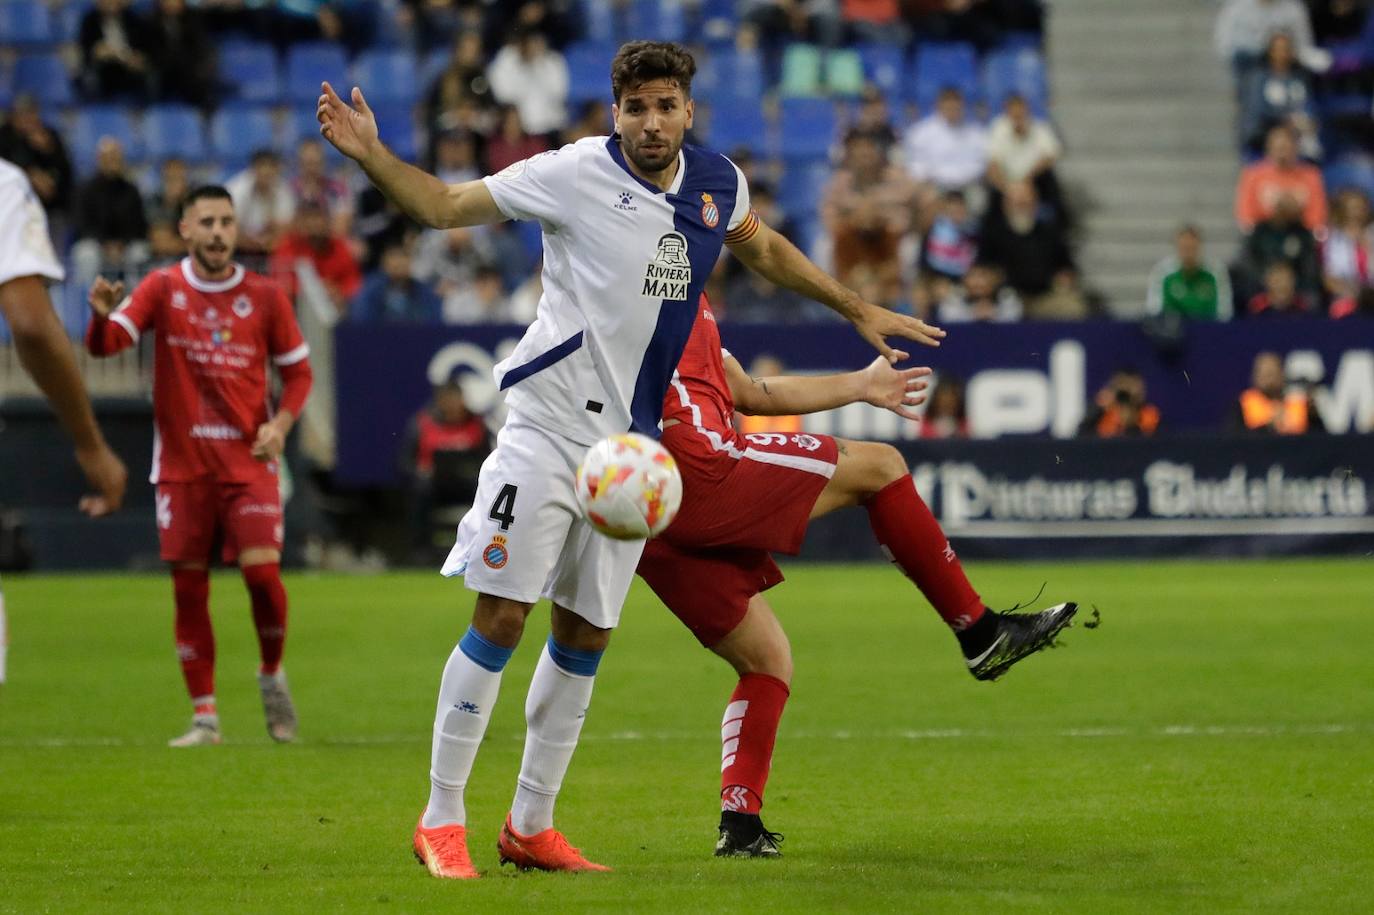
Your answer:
<point x="1147" y="115"/>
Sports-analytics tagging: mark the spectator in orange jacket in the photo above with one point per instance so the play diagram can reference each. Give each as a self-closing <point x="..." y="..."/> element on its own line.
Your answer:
<point x="1280" y="174"/>
<point x="1120" y="408"/>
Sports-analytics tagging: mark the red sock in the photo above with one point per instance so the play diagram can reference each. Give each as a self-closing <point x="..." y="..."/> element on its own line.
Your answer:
<point x="195" y="637"/>
<point x="268" y="597"/>
<point x="747" y="734"/>
<point x="913" y="540"/>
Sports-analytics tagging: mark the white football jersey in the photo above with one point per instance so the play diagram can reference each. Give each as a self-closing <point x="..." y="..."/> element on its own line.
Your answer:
<point x="25" y="247"/>
<point x="624" y="266"/>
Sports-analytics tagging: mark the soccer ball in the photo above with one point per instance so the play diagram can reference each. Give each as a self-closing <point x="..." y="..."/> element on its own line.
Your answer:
<point x="628" y="487"/>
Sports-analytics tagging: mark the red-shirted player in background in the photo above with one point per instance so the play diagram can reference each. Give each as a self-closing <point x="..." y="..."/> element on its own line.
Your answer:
<point x="217" y="440"/>
<point x="746" y="496"/>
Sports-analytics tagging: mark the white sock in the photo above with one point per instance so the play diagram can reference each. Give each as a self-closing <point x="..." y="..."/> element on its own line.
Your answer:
<point x="554" y="712"/>
<point x="466" y="695"/>
<point x="4" y="638"/>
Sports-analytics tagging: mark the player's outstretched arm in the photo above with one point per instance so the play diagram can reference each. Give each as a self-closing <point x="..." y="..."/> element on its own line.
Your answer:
<point x="898" y="390"/>
<point x="46" y="354"/>
<point x="778" y="260"/>
<point x="423" y="197"/>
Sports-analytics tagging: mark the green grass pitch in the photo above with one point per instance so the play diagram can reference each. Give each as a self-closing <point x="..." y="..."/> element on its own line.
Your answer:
<point x="1209" y="748"/>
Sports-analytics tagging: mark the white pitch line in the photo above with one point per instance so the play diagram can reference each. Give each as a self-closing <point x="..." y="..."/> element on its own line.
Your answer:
<point x="1098" y="733"/>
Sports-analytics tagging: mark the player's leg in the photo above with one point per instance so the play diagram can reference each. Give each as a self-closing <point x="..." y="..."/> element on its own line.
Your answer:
<point x="588" y="587"/>
<point x="251" y="517"/>
<point x="876" y="476"/>
<point x="507" y="545"/>
<point x="186" y="521"/>
<point x="555" y="708"/>
<point x="715" y="594"/>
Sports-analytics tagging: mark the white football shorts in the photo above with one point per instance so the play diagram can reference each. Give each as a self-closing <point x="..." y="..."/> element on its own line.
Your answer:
<point x="525" y="538"/>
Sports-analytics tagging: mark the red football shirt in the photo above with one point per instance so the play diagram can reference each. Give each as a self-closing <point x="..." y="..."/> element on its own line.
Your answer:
<point x="210" y="382"/>
<point x="699" y="399"/>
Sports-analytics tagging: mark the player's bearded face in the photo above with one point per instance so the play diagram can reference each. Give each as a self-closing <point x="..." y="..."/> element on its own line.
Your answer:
<point x="652" y="119"/>
<point x="211" y="232"/>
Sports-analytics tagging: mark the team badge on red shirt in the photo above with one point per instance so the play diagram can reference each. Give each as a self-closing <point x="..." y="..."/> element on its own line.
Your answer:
<point x="710" y="213"/>
<point x="243" y="306"/>
<point x="496" y="555"/>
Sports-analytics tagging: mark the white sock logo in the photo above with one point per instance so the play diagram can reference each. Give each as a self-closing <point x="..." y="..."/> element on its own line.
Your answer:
<point x="735" y="798"/>
<point x="729" y="731"/>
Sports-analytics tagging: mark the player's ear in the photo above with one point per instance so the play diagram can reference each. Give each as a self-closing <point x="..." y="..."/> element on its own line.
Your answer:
<point x="615" y="116"/>
<point x="691" y="112"/>
<point x="182" y="230"/>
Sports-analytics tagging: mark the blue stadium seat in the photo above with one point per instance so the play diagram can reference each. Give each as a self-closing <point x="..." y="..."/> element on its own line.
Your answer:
<point x="597" y="18"/>
<point x="589" y="71"/>
<point x="885" y="67"/>
<point x="802" y="185"/>
<point x="1357" y="172"/>
<point x="237" y="131"/>
<point x="388" y="77"/>
<point x="6" y="86"/>
<point x="46" y="77"/>
<point x="251" y="71"/>
<point x="940" y="65"/>
<point x="173" y="130"/>
<point x="807" y="128"/>
<point x="396" y="127"/>
<point x="26" y="24"/>
<point x="67" y="25"/>
<point x="435" y="62"/>
<point x="735" y="122"/>
<point x="90" y="123"/>
<point x="307" y="65"/>
<point x="1020" y="71"/>
<point x="732" y="73"/>
<point x="659" y="20"/>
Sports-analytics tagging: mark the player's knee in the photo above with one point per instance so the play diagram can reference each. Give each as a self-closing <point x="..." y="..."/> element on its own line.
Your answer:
<point x="890" y="466"/>
<point x="500" y="620"/>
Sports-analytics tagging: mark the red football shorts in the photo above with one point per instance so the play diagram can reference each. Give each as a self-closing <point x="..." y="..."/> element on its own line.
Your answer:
<point x="243" y="515"/>
<point x="715" y="555"/>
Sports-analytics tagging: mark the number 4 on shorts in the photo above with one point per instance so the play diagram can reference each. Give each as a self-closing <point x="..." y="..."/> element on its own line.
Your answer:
<point x="503" y="509"/>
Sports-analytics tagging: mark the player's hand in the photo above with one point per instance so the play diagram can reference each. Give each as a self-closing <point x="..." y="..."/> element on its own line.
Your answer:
<point x="898" y="390"/>
<point x="875" y="324"/>
<point x="352" y="130"/>
<point x="106" y="472"/>
<point x="271" y="441"/>
<point x="105" y="296"/>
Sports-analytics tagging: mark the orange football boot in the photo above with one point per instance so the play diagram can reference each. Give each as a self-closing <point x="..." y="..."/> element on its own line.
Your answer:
<point x="546" y="851"/>
<point x="443" y="850"/>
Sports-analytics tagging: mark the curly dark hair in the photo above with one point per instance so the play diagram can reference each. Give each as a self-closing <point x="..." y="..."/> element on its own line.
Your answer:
<point x="639" y="62"/>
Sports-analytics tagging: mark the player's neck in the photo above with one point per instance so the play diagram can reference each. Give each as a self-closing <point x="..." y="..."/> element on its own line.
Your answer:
<point x="211" y="276"/>
<point x="660" y="179"/>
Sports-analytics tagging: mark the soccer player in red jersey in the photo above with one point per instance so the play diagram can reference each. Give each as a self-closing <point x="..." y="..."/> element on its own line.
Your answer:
<point x="747" y="496"/>
<point x="217" y="440"/>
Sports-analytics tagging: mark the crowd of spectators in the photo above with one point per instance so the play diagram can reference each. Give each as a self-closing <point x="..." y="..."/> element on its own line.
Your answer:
<point x="916" y="204"/>
<point x="1303" y="77"/>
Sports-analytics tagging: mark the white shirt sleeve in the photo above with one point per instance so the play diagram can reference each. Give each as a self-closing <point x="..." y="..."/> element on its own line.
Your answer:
<point x="542" y="187"/>
<point x="25" y="247"/>
<point x="741" y="212"/>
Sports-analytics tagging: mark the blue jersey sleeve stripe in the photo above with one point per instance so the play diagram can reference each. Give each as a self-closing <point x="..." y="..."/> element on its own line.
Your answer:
<point x="542" y="361"/>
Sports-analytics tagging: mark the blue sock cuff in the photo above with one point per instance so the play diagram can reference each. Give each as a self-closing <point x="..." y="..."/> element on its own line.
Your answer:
<point x="574" y="660"/>
<point x="483" y="653"/>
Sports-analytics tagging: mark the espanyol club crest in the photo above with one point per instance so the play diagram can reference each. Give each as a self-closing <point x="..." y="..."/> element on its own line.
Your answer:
<point x="242" y="306"/>
<point x="710" y="213"/>
<point x="495" y="555"/>
<point x="179" y="299"/>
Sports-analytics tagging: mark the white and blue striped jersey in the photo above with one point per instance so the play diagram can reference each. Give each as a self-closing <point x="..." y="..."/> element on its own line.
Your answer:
<point x="624" y="266"/>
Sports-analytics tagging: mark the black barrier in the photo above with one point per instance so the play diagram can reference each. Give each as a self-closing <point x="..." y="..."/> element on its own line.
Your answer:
<point x="1173" y="496"/>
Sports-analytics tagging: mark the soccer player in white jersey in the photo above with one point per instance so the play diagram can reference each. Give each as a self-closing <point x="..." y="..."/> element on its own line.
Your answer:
<point x="633" y="224"/>
<point x="27" y="264"/>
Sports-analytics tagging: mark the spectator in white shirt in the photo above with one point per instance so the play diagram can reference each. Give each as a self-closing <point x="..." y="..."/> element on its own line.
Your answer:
<point x="944" y="151"/>
<point x="263" y="203"/>
<point x="533" y="77"/>
<point x="1244" y="26"/>
<point x="1023" y="148"/>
